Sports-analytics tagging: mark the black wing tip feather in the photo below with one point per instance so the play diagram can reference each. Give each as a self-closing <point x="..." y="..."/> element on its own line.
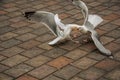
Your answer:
<point x="27" y="14"/>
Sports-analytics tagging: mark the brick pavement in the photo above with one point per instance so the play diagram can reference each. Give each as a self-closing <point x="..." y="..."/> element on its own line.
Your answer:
<point x="25" y="54"/>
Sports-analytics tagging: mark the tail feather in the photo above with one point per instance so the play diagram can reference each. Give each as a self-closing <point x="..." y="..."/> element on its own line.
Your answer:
<point x="95" y="20"/>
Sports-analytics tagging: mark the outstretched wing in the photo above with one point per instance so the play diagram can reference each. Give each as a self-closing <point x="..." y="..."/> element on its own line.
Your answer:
<point x="80" y="4"/>
<point x="46" y="18"/>
<point x="98" y="44"/>
<point x="95" y="20"/>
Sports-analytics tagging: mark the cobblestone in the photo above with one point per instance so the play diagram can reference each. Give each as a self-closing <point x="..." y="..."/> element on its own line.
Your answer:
<point x="26" y="55"/>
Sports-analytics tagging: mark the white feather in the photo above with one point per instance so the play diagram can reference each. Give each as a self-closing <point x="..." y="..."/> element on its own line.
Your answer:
<point x="95" y="20"/>
<point x="58" y="22"/>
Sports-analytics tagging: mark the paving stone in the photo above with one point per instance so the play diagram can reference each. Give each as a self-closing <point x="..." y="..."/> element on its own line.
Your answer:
<point x="108" y="27"/>
<point x="11" y="9"/>
<point x="23" y="30"/>
<point x="113" y="47"/>
<point x="19" y="24"/>
<point x="45" y="46"/>
<point x="8" y="5"/>
<point x="38" y="60"/>
<point x="40" y="31"/>
<point x="51" y="77"/>
<point x="14" y="60"/>
<point x="10" y="43"/>
<point x="105" y="39"/>
<point x="111" y="17"/>
<point x="117" y="22"/>
<point x="76" y="54"/>
<point x="114" y="34"/>
<point x="29" y="44"/>
<point x="93" y="4"/>
<point x="114" y="75"/>
<point x="5" y="29"/>
<point x="3" y="68"/>
<point x="5" y="77"/>
<point x="37" y="26"/>
<point x="26" y="77"/>
<point x="54" y="53"/>
<point x="26" y="37"/>
<point x="18" y="70"/>
<point x="39" y="6"/>
<point x="67" y="72"/>
<point x="76" y="78"/>
<point x="91" y="74"/>
<point x="7" y="36"/>
<point x="88" y="47"/>
<point x="60" y="62"/>
<point x="2" y="57"/>
<point x="96" y="55"/>
<point x="117" y="41"/>
<point x="11" y="51"/>
<point x="69" y="45"/>
<point x="2" y="12"/>
<point x="107" y="64"/>
<point x="2" y="18"/>
<point x="4" y="24"/>
<point x="32" y="52"/>
<point x="117" y="56"/>
<point x="84" y="63"/>
<point x="42" y="72"/>
<point x="16" y="19"/>
<point x="14" y="14"/>
<point x="45" y="37"/>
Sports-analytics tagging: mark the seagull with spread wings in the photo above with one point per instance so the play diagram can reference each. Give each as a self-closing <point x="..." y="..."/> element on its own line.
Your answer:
<point x="62" y="31"/>
<point x="90" y="23"/>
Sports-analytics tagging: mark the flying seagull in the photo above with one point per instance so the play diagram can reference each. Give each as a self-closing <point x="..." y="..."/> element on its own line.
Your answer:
<point x="90" y="23"/>
<point x="53" y="23"/>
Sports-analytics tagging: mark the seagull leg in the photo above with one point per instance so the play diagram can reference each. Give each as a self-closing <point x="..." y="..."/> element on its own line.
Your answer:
<point x="55" y="41"/>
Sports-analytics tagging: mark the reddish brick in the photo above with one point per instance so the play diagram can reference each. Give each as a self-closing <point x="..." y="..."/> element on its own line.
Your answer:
<point x="2" y="57"/>
<point x="64" y="15"/>
<point x="2" y="12"/>
<point x="111" y="17"/>
<point x="76" y="78"/>
<point x="114" y="34"/>
<point x="11" y="9"/>
<point x="107" y="64"/>
<point x="84" y="63"/>
<point x="42" y="71"/>
<point x="30" y="44"/>
<point x="60" y="62"/>
<point x="26" y="77"/>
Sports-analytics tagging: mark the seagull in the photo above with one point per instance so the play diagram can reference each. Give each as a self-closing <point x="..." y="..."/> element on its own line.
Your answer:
<point x="53" y="23"/>
<point x="90" y="23"/>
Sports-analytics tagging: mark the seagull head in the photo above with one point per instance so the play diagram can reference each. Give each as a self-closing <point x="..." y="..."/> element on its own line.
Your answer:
<point x="27" y="15"/>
